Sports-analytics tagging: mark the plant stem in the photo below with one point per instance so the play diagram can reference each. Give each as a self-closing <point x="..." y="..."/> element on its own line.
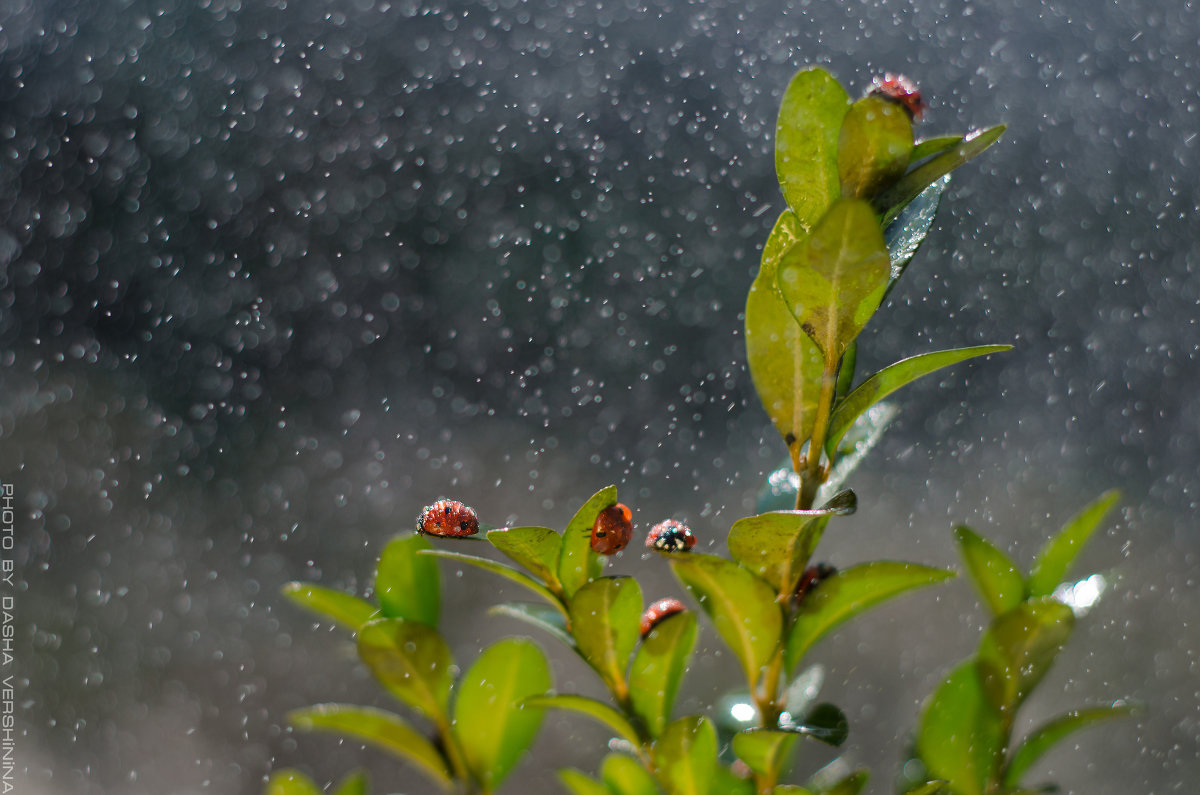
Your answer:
<point x="810" y="479"/>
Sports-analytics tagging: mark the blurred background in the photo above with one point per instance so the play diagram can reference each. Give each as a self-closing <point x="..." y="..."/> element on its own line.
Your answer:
<point x="274" y="275"/>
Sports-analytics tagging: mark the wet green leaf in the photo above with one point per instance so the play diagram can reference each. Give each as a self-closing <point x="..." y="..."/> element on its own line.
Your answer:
<point x="824" y="722"/>
<point x="923" y="150"/>
<point x="504" y="570"/>
<point x="806" y="143"/>
<point x="893" y="377"/>
<point x="291" y="782"/>
<point x="354" y="784"/>
<point x="849" y="592"/>
<point x="1050" y="734"/>
<point x="536" y="548"/>
<point x="343" y="608"/>
<point x="579" y="783"/>
<point x="1055" y="559"/>
<point x="907" y="231"/>
<point x="1019" y="647"/>
<point x="412" y="661"/>
<point x="960" y="737"/>
<point x="765" y="751"/>
<point x="597" y="710"/>
<point x="624" y="775"/>
<point x="658" y="668"/>
<point x="742" y="607"/>
<point x="493" y="725"/>
<point x="379" y="728"/>
<point x="407" y="583"/>
<point x="834" y="280"/>
<point x="891" y="201"/>
<point x="605" y="622"/>
<point x="994" y="573"/>
<point x="543" y="617"/>
<point x="874" y="146"/>
<point x="578" y="563"/>
<point x="685" y="756"/>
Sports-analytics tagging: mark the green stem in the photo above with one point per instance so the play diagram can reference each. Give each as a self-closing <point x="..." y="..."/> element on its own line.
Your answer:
<point x="810" y="479"/>
<point x="454" y="754"/>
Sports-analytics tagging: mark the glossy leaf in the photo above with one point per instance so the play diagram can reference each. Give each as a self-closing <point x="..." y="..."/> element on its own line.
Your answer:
<point x="578" y="563"/>
<point x="850" y="592"/>
<point x="543" y="617"/>
<point x="535" y="548"/>
<point x="685" y="756"/>
<point x="605" y="622"/>
<point x="384" y="730"/>
<point x="1019" y="647"/>
<point x="908" y="230"/>
<point x="765" y="751"/>
<point x="597" y="710"/>
<point x="784" y="363"/>
<point x="342" y="608"/>
<point x="493" y="725"/>
<point x="997" y="577"/>
<point x="579" y="783"/>
<point x="824" y="722"/>
<point x="806" y="140"/>
<point x="624" y="775"/>
<point x="891" y="201"/>
<point x="658" y="669"/>
<point x="859" y="440"/>
<point x="504" y="570"/>
<point x="834" y="280"/>
<point x="923" y="150"/>
<point x="742" y="607"/>
<point x="353" y="784"/>
<point x="407" y="583"/>
<point x="893" y="377"/>
<point x="874" y="146"/>
<point x="845" y="373"/>
<point x="1055" y="559"/>
<point x="1050" y="734"/>
<point x="291" y="782"/>
<point x="961" y="737"/>
<point x="412" y="661"/>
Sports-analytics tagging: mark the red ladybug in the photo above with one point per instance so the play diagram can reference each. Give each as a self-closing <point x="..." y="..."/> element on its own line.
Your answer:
<point x="613" y="530"/>
<point x="899" y="88"/>
<point x="812" y="577"/>
<point x="671" y="536"/>
<point x="655" y="613"/>
<point x="448" y="518"/>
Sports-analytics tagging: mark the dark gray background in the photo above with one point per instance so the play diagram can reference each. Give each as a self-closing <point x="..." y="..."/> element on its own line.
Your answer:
<point x="274" y="275"/>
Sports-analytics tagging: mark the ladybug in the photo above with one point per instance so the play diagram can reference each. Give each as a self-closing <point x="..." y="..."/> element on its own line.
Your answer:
<point x="812" y="577"/>
<point x="448" y="518"/>
<point x="655" y="613"/>
<point x="900" y="89"/>
<point x="613" y="530"/>
<point x="671" y="536"/>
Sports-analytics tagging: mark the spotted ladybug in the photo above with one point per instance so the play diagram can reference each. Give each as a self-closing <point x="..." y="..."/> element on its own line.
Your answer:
<point x="900" y="89"/>
<point x="812" y="577"/>
<point x="448" y="518"/>
<point x="613" y="530"/>
<point x="671" y="536"/>
<point x="655" y="613"/>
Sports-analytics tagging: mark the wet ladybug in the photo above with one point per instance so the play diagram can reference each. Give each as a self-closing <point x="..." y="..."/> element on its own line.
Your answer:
<point x="613" y="530"/>
<point x="448" y="518"/>
<point x="812" y="577"/>
<point x="900" y="89"/>
<point x="655" y="613"/>
<point x="671" y="536"/>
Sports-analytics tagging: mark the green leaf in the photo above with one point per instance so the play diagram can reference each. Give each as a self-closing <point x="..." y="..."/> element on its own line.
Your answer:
<point x="834" y="280"/>
<point x="850" y="785"/>
<point x="379" y="728"/>
<point x="493" y="725"/>
<point x="597" y="710"/>
<point x="343" y="608"/>
<point x="1055" y="559"/>
<point x="291" y="782"/>
<point x="874" y="146"/>
<point x="407" y="583"/>
<point x="891" y="201"/>
<point x="928" y="788"/>
<point x="926" y="149"/>
<point x="905" y="234"/>
<point x="1019" y="647"/>
<point x="506" y="571"/>
<point x="578" y="563"/>
<point x="354" y="784"/>
<point x="765" y="751"/>
<point x="824" y="722"/>
<point x="848" y="593"/>
<point x="784" y="363"/>
<point x="685" y="756"/>
<point x="997" y="577"/>
<point x="412" y="661"/>
<point x="891" y="378"/>
<point x="624" y="775"/>
<point x="845" y="373"/>
<point x="543" y="617"/>
<point x="742" y="607"/>
<point x="727" y="783"/>
<point x="536" y="548"/>
<point x="961" y="737"/>
<point x="1050" y="734"/>
<point x="658" y="668"/>
<point x="791" y="789"/>
<point x="605" y="622"/>
<point x="580" y="783"/>
<point x="806" y="142"/>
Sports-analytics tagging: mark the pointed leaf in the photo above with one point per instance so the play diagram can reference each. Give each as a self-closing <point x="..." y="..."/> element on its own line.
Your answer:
<point x="874" y="146"/>
<point x="845" y="373"/>
<point x="508" y="572"/>
<point x="407" y="583"/>
<point x="926" y="149"/>
<point x="1055" y="559"/>
<point x="1047" y="736"/>
<point x="379" y="728"/>
<point x="685" y="756"/>
<point x="353" y="784"/>
<point x="907" y="231"/>
<point x="291" y="782"/>
<point x="412" y="661"/>
<point x="578" y="563"/>
<point x="543" y="617"/>
<point x="742" y="607"/>
<point x="624" y="775"/>
<point x="494" y="726"/>
<point x="579" y="783"/>
<point x="806" y="138"/>
<point x="605" y="622"/>
<point x="597" y="710"/>
<point x="960" y="737"/>
<point x="536" y="548"/>
<point x="891" y="378"/>
<point x="994" y="573"/>
<point x="859" y="440"/>
<point x="891" y="201"/>
<point x="1019" y="647"/>
<point x="658" y="668"/>
<point x="849" y="592"/>
<point x="765" y="751"/>
<point x="834" y="280"/>
<point x="343" y="608"/>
